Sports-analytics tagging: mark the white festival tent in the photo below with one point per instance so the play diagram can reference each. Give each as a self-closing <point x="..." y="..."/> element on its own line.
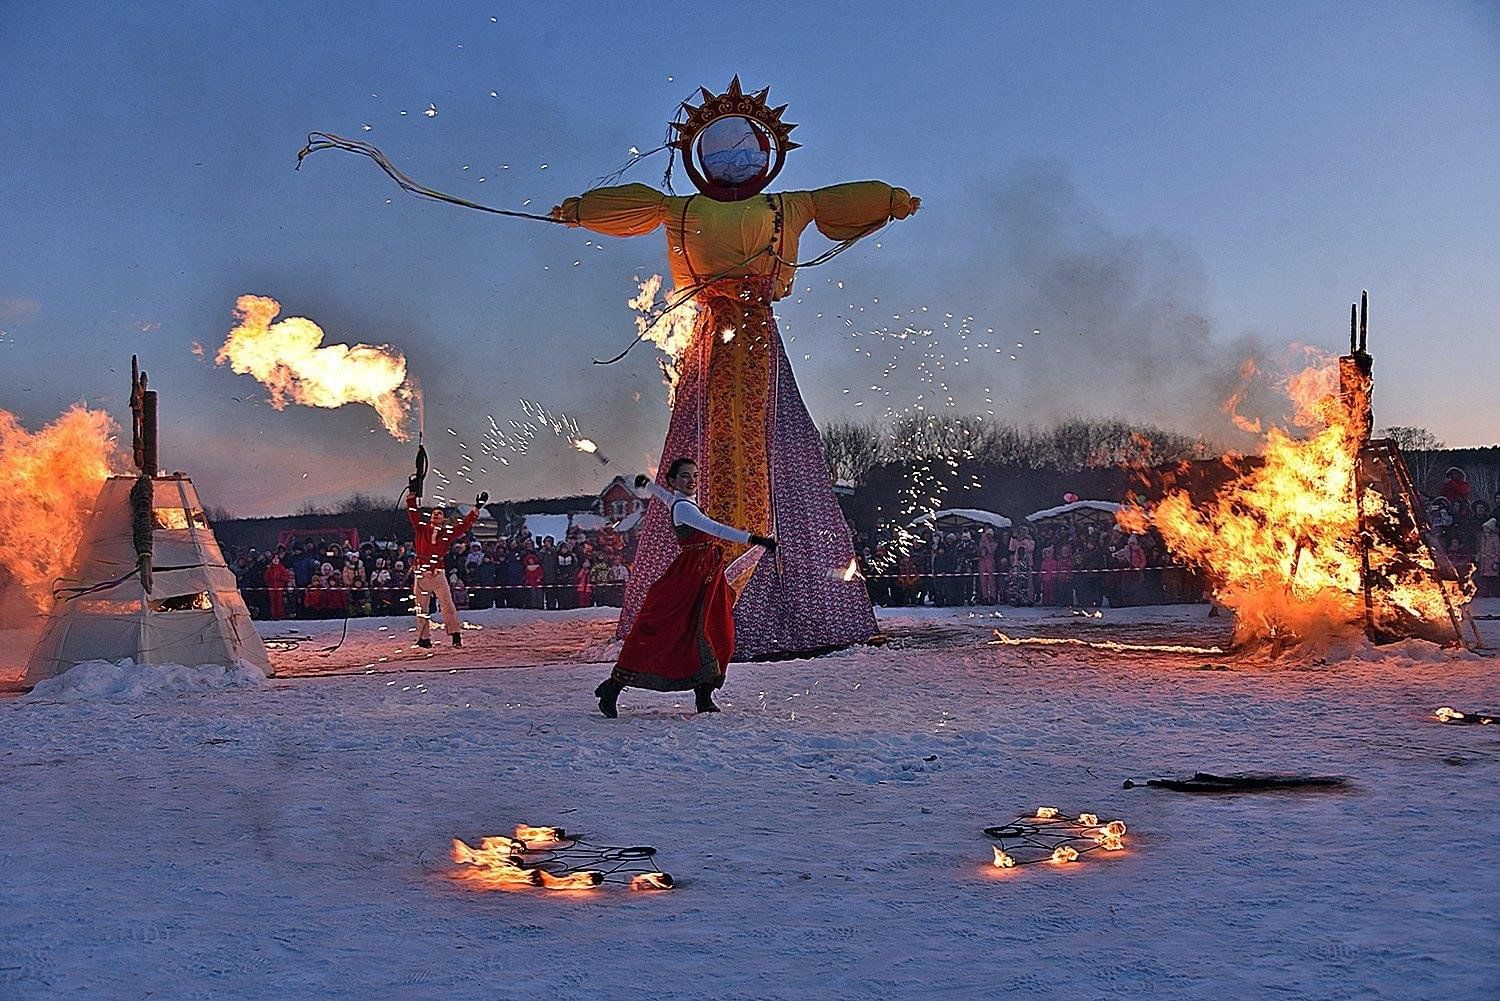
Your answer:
<point x="1085" y="507"/>
<point x="193" y="615"/>
<point x="959" y="517"/>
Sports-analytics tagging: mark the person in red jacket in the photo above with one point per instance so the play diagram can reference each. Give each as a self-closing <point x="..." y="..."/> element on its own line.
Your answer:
<point x="434" y="536"/>
<point x="278" y="580"/>
<point x="533" y="579"/>
<point x="1455" y="488"/>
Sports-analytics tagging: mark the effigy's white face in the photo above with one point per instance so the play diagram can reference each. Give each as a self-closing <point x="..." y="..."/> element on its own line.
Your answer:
<point x="733" y="151"/>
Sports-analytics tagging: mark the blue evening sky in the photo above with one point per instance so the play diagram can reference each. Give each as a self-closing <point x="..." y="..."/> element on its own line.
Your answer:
<point x="1156" y="187"/>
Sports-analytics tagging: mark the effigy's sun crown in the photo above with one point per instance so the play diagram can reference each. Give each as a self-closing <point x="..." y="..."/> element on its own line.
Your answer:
<point x="733" y="144"/>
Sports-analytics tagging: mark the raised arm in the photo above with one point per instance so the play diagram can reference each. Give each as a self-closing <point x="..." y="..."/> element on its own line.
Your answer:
<point x="845" y="211"/>
<point x="685" y="512"/>
<point x="626" y="210"/>
<point x="660" y="492"/>
<point x="413" y="514"/>
<point x="468" y="522"/>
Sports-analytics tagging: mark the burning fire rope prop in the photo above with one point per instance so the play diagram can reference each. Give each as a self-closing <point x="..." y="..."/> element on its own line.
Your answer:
<point x="1052" y="836"/>
<point x="549" y="858"/>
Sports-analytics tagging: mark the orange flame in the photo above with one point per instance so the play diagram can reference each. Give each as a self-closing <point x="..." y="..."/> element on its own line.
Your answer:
<point x="652" y="881"/>
<point x="1064" y="853"/>
<point x="1003" y="860"/>
<point x="585" y="880"/>
<point x="668" y="325"/>
<point x="291" y="360"/>
<point x="1282" y="541"/>
<point x="493" y="865"/>
<point x="51" y="480"/>
<point x="537" y="837"/>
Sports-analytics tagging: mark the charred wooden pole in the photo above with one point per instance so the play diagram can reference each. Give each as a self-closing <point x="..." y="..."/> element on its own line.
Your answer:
<point x="1356" y="384"/>
<point x="143" y="451"/>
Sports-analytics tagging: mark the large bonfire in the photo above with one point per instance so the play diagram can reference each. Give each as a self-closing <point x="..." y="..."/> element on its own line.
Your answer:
<point x="1303" y="542"/>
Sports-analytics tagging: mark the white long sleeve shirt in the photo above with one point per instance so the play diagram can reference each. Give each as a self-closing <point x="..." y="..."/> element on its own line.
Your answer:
<point x="688" y="514"/>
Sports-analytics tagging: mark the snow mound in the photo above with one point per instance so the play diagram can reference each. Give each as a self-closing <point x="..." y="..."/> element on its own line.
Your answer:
<point x="125" y="680"/>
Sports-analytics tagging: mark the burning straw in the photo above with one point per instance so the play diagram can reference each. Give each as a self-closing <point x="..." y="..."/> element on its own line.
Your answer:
<point x="52" y="479"/>
<point x="1290" y="542"/>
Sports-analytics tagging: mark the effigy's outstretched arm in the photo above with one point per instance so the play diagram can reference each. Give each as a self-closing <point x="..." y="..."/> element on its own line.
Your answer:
<point x="626" y="210"/>
<point x="849" y="211"/>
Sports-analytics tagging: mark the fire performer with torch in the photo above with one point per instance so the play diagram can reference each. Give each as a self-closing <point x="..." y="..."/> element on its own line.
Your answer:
<point x="683" y="636"/>
<point x="434" y="535"/>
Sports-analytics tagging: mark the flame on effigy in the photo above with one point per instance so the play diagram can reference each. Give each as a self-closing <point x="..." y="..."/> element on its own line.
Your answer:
<point x="667" y="324"/>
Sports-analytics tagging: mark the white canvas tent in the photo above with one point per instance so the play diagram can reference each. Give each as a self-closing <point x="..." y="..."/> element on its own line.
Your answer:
<point x="1093" y="510"/>
<point x="194" y="614"/>
<point x="960" y="517"/>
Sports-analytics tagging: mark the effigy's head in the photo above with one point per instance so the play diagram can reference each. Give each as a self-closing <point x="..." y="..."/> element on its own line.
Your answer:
<point x="732" y="144"/>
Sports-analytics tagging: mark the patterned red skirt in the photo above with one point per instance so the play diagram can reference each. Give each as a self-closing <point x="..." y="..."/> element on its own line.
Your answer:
<point x="683" y="635"/>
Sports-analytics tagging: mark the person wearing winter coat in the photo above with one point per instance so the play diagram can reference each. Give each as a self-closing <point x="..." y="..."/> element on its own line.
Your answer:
<point x="1455" y="488"/>
<point x="486" y="575"/>
<point x="567" y="572"/>
<point x="583" y="585"/>
<point x="278" y="582"/>
<point x="1489" y="559"/>
<point x="532" y="578"/>
<point x="551" y="593"/>
<point x="1022" y="591"/>
<point x="987" y="549"/>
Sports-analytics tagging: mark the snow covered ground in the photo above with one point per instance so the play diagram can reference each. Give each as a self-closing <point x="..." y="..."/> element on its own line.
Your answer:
<point x="291" y="841"/>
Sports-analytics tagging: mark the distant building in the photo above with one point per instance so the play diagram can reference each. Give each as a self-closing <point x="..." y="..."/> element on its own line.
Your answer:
<point x="617" y="501"/>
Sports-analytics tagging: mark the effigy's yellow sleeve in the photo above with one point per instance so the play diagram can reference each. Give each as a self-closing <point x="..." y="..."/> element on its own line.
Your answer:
<point x="845" y="211"/>
<point x="626" y="210"/>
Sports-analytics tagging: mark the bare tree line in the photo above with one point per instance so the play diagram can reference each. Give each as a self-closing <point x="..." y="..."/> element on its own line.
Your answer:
<point x="853" y="448"/>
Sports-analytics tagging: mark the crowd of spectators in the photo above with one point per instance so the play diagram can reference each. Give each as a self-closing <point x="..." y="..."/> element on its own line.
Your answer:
<point x="1065" y="564"/>
<point x="320" y="580"/>
<point x="1070" y="564"/>
<point x="1463" y="528"/>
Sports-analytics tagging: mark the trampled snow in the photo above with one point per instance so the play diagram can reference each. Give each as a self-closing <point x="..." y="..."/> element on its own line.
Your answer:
<point x="290" y="840"/>
<point x="127" y="680"/>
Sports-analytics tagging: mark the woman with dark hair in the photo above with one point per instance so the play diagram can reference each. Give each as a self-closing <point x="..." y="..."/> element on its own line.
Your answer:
<point x="683" y="635"/>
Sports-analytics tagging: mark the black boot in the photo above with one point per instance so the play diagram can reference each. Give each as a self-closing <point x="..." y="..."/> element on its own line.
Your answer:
<point x="424" y="642"/>
<point x="458" y="639"/>
<point x="608" y="694"/>
<point x="705" y="694"/>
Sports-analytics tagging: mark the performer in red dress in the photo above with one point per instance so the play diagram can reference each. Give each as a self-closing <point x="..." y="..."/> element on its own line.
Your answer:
<point x="683" y="636"/>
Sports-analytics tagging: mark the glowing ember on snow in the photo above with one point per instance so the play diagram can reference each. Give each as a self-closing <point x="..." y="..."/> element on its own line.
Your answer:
<point x="1282" y="541"/>
<point x="289" y="357"/>
<point x="52" y="479"/>
<point x="1003" y="860"/>
<point x="1065" y="853"/>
